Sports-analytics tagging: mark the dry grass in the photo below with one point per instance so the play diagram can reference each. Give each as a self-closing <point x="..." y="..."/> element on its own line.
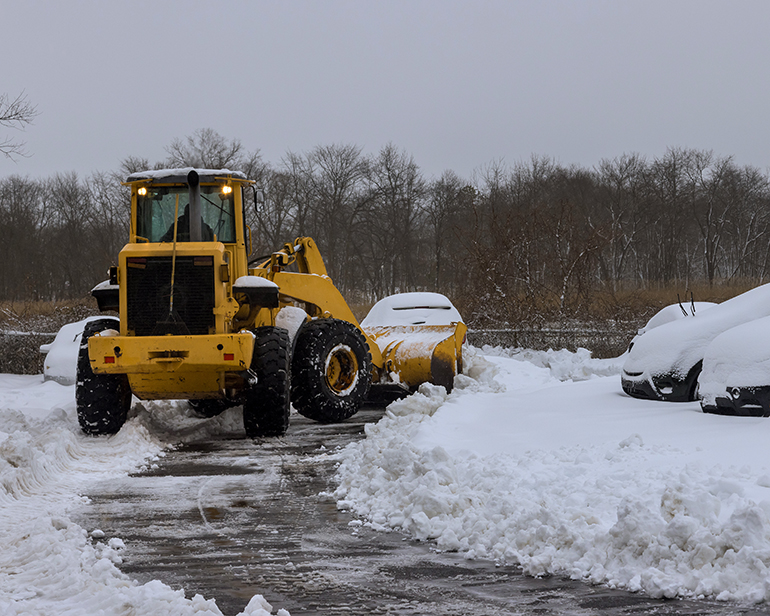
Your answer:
<point x="626" y="304"/>
<point x="44" y="316"/>
<point x="640" y="304"/>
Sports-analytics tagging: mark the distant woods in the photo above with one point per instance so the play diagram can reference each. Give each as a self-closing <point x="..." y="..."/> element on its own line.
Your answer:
<point x="515" y="243"/>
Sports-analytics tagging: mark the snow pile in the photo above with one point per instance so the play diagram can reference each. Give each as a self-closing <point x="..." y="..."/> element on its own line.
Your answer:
<point x="563" y="365"/>
<point x="51" y="566"/>
<point x="573" y="478"/>
<point x="48" y="564"/>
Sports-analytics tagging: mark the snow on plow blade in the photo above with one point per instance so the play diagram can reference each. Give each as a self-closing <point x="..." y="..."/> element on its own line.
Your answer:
<point x="416" y="354"/>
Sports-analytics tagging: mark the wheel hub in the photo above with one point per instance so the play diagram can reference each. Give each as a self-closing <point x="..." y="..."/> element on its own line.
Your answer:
<point x="341" y="371"/>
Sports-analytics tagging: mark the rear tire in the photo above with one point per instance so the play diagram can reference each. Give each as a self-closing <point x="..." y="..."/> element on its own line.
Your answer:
<point x="102" y="400"/>
<point x="331" y="370"/>
<point x="267" y="404"/>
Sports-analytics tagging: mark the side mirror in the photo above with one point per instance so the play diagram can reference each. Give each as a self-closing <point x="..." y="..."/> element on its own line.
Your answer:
<point x="259" y="199"/>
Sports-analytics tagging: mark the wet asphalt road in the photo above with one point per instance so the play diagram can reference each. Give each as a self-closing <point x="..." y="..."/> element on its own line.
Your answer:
<point x="230" y="517"/>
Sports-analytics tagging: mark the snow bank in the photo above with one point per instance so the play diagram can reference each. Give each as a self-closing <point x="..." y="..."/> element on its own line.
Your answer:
<point x="48" y="564"/>
<point x="562" y="364"/>
<point x="572" y="478"/>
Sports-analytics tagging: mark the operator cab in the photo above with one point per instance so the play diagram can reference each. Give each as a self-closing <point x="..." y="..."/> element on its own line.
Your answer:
<point x="164" y="202"/>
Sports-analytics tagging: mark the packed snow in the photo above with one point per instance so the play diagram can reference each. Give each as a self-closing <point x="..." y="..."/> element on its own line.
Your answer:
<point x="540" y="459"/>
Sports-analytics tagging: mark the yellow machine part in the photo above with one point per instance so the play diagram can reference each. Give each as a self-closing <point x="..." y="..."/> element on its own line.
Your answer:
<point x="417" y="354"/>
<point x="165" y="367"/>
<point x="178" y="385"/>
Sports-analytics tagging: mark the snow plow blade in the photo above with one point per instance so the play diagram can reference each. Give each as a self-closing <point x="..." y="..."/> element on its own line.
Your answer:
<point x="416" y="354"/>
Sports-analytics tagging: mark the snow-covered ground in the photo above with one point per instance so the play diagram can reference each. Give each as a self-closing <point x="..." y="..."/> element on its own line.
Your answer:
<point x="541" y="460"/>
<point x="536" y="458"/>
<point x="50" y="566"/>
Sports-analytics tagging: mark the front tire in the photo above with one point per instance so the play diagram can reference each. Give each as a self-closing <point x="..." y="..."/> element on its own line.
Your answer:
<point x="102" y="400"/>
<point x="267" y="404"/>
<point x="693" y="382"/>
<point x="331" y="370"/>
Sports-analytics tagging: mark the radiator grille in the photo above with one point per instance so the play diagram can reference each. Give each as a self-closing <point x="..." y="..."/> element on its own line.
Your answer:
<point x="149" y="288"/>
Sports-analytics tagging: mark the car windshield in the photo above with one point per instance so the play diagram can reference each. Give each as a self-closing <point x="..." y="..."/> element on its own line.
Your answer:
<point x="161" y="205"/>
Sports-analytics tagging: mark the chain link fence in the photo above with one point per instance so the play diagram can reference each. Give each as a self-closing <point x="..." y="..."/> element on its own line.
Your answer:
<point x="602" y="342"/>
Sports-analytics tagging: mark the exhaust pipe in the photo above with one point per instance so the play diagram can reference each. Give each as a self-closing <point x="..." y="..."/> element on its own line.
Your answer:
<point x="193" y="181"/>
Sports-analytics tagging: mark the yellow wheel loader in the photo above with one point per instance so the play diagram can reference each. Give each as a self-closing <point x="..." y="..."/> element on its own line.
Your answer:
<point x="200" y="320"/>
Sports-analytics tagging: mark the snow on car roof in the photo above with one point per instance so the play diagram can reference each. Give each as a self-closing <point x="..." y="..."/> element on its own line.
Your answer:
<point x="674" y="312"/>
<point x="420" y="308"/>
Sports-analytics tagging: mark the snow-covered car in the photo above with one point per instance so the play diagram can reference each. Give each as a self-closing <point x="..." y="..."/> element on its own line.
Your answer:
<point x="674" y="312"/>
<point x="735" y="379"/>
<point x="420" y="308"/>
<point x="664" y="363"/>
<point x="61" y="355"/>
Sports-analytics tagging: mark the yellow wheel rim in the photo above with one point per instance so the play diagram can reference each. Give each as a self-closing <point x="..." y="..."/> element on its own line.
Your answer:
<point x="341" y="370"/>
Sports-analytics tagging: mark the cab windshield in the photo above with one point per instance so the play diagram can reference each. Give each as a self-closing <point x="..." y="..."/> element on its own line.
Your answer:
<point x="161" y="205"/>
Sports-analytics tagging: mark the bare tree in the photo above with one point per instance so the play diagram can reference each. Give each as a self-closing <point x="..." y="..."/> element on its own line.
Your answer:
<point x="207" y="149"/>
<point x="621" y="205"/>
<point x="133" y="164"/>
<point x="335" y="175"/>
<point x="15" y="113"/>
<point x="109" y="228"/>
<point x="440" y="212"/>
<point x="21" y="218"/>
<point x="396" y="195"/>
<point x="274" y="219"/>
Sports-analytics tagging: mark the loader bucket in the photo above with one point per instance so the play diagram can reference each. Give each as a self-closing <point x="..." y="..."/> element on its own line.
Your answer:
<point x="416" y="354"/>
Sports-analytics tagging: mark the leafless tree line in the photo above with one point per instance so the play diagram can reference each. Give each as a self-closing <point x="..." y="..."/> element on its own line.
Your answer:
<point x="532" y="240"/>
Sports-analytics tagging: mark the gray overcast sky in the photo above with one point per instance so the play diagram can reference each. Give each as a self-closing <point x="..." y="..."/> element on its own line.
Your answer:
<point x="457" y="84"/>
